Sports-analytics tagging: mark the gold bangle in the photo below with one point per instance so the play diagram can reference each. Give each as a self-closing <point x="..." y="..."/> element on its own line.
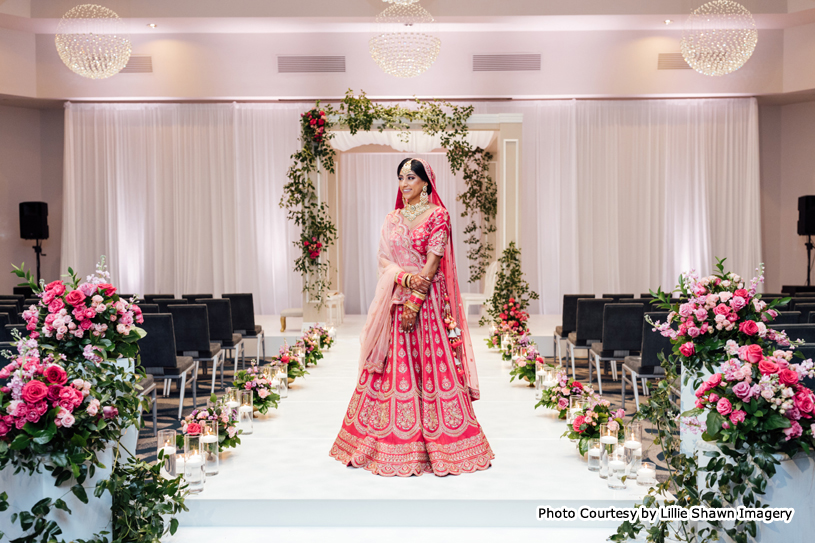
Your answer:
<point x="418" y="294"/>
<point x="406" y="280"/>
<point x="411" y="305"/>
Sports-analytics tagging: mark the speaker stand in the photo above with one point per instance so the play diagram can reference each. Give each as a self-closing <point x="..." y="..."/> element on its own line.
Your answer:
<point x="38" y="252"/>
<point x="809" y="247"/>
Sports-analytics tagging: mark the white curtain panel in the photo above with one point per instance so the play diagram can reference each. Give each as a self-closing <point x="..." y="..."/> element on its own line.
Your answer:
<point x="183" y="198"/>
<point x="417" y="141"/>
<point x="622" y="196"/>
<point x="368" y="186"/>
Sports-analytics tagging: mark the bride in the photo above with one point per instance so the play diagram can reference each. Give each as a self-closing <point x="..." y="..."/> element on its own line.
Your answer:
<point x="411" y="411"/>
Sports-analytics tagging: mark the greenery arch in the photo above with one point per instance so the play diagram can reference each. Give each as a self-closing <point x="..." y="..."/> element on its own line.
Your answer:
<point x="318" y="232"/>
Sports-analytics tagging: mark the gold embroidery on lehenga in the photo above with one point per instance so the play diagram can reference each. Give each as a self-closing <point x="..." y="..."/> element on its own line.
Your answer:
<point x="403" y="385"/>
<point x="405" y="417"/>
<point x="451" y="413"/>
<point x="445" y="383"/>
<point x="430" y="418"/>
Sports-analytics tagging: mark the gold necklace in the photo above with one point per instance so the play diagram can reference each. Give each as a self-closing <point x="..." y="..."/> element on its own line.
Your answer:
<point x="412" y="211"/>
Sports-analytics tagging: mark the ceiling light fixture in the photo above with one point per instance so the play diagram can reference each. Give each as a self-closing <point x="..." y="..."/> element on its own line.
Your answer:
<point x="152" y="25"/>
<point x="407" y="52"/>
<point x="719" y="37"/>
<point x="668" y="21"/>
<point x="91" y="41"/>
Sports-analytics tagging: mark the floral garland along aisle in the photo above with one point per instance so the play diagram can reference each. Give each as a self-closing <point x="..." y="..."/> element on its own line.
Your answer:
<point x="318" y="232"/>
<point x="755" y="403"/>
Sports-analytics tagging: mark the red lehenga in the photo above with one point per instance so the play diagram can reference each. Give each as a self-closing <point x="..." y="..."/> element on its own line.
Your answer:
<point x="411" y="411"/>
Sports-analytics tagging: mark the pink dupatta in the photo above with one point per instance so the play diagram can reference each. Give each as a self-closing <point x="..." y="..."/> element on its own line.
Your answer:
<point x="394" y="258"/>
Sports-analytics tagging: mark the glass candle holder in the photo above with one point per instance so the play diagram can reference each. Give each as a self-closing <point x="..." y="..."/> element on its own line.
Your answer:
<point x="594" y="453"/>
<point x="608" y="440"/>
<point x="633" y="447"/>
<point x="616" y="468"/>
<point x="166" y="443"/>
<point x="538" y="385"/>
<point x="194" y="473"/>
<point x="245" y="412"/>
<point x="647" y="474"/>
<point x="209" y="446"/>
<point x="232" y="399"/>
<point x="283" y="381"/>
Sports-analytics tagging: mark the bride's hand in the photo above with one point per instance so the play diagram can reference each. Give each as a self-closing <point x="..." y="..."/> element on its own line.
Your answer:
<point x="408" y="320"/>
<point x="419" y="284"/>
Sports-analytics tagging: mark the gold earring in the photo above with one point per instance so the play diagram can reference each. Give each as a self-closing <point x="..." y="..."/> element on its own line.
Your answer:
<point x="423" y="197"/>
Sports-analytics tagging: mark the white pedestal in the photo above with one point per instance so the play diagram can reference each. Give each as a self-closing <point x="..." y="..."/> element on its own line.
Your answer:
<point x="691" y="428"/>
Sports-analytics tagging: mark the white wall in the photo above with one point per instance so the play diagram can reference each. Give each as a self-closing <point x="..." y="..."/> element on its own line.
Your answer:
<point x="788" y="171"/>
<point x="30" y="170"/>
<point x="799" y="58"/>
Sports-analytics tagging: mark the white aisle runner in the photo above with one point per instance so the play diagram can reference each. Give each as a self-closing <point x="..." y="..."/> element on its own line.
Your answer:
<point x="281" y="482"/>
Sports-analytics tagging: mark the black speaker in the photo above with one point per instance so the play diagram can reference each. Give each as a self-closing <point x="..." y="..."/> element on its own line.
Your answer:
<point x="33" y="220"/>
<point x="806" y="216"/>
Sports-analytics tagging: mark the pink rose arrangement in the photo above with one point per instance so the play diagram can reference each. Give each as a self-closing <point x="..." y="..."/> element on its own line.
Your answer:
<point x="717" y="313"/>
<point x="228" y="431"/>
<point x="314" y="124"/>
<point x="264" y="396"/>
<point x="760" y="399"/>
<point x="293" y="366"/>
<point x="586" y="424"/>
<point x="558" y="396"/>
<point x="312" y="246"/>
<point x="312" y="349"/>
<point x="512" y="318"/>
<point x="326" y="341"/>
<point x="524" y="367"/>
<point x="84" y="319"/>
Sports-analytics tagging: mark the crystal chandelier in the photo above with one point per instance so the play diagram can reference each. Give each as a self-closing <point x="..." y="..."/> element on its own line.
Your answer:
<point x="405" y="53"/>
<point x="719" y="37"/>
<point x="91" y="41"/>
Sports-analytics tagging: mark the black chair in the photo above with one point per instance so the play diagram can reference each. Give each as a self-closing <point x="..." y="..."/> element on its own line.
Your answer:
<point x="804" y="294"/>
<point x="797" y="331"/>
<point x="5" y="335"/>
<point x="799" y="300"/>
<point x="12" y="311"/>
<point x="805" y="310"/>
<point x="191" y="324"/>
<point x="569" y="320"/>
<point x="151" y="298"/>
<point x="192" y="297"/>
<point x="219" y="312"/>
<point x="29" y="302"/>
<point x="158" y="357"/>
<point x="148" y="386"/>
<point x="622" y="336"/>
<point x="148" y="308"/>
<point x="787" y="317"/>
<point x="588" y="328"/>
<point x="812" y="317"/>
<point x="243" y="320"/>
<point x="17" y="299"/>
<point x="25" y="292"/>
<point x="162" y="303"/>
<point x="617" y="297"/>
<point x="647" y="295"/>
<point x="647" y="365"/>
<point x="647" y="302"/>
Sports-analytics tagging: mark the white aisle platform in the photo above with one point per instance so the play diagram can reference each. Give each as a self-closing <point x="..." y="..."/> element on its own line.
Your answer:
<point x="281" y="480"/>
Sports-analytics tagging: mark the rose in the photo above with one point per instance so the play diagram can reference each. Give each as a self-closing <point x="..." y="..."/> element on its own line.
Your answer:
<point x="737" y="416"/>
<point x="795" y="430"/>
<point x="788" y="377"/>
<point x="107" y="288"/>
<point x="613" y="426"/>
<point x="93" y="407"/>
<point x="687" y="349"/>
<point x="713" y="398"/>
<point x="562" y="404"/>
<point x="743" y="391"/>
<point x="767" y="367"/>
<point x="193" y="428"/>
<point x="751" y="353"/>
<point x="701" y="314"/>
<point x="34" y="391"/>
<point x="804" y="402"/>
<point x="53" y="393"/>
<point x="56" y="287"/>
<point x="742" y="293"/>
<point x="738" y="303"/>
<point x="75" y="298"/>
<point x="715" y="380"/>
<point x="67" y="420"/>
<point x="749" y="328"/>
<point x="56" y="375"/>
<point x="110" y="412"/>
<point x="724" y="407"/>
<point x="579" y="420"/>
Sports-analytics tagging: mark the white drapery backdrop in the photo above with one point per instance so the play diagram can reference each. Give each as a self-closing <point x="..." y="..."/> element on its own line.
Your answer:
<point x="617" y="196"/>
<point x="183" y="198"/>
<point x="368" y="187"/>
<point x="622" y="196"/>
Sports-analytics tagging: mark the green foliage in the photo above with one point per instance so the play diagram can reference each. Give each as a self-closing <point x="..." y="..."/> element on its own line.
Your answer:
<point x="510" y="284"/>
<point x="449" y="121"/>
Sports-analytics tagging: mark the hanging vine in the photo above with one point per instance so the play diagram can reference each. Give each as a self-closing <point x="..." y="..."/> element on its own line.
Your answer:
<point x="480" y="197"/>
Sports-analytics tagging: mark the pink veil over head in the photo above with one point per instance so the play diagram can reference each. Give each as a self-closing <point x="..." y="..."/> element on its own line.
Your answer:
<point x="375" y="335"/>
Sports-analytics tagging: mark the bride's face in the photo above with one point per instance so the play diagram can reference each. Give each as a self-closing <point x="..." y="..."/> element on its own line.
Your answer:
<point x="411" y="187"/>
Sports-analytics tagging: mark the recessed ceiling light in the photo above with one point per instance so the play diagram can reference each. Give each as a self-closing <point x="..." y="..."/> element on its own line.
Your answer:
<point x="668" y="21"/>
<point x="152" y="25"/>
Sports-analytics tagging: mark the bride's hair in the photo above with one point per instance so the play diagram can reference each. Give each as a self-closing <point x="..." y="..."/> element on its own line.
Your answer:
<point x="418" y="169"/>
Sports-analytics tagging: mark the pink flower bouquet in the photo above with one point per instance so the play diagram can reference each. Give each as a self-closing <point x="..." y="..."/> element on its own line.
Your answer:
<point x="558" y="396"/>
<point x="228" y="431"/>
<point x="264" y="396"/>
<point x="760" y="399"/>
<point x="586" y="424"/>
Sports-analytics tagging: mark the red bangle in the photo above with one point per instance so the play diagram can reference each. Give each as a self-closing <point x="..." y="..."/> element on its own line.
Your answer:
<point x="416" y="300"/>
